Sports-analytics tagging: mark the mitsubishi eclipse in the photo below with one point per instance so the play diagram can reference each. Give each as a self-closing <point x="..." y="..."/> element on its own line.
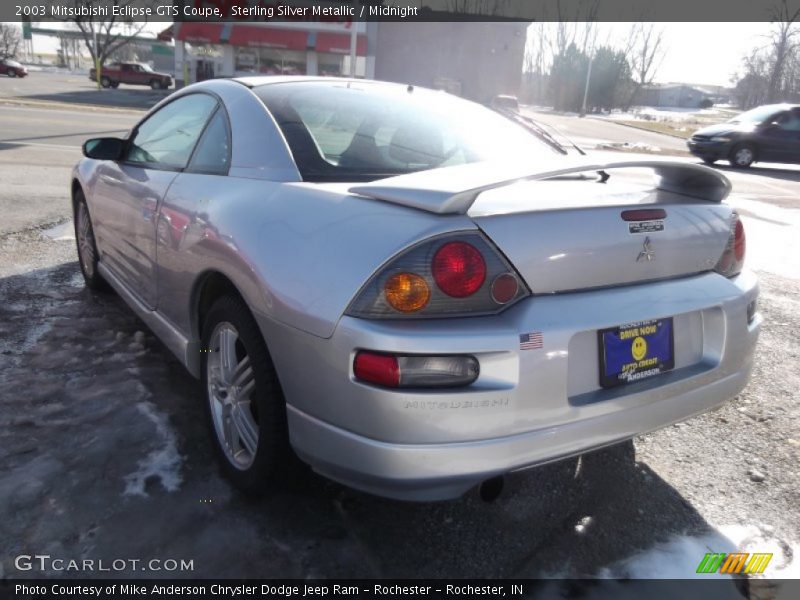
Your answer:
<point x="412" y="292"/>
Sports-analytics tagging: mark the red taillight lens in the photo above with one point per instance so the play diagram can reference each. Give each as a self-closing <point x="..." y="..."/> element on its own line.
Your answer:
<point x="458" y="269"/>
<point x="739" y="241"/>
<point x="380" y="369"/>
<point x="504" y="288"/>
<point x="732" y="259"/>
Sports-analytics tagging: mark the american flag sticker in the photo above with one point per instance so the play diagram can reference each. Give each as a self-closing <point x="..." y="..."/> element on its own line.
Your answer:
<point x="531" y="341"/>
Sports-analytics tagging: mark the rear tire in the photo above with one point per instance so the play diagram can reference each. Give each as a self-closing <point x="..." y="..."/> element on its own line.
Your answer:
<point x="244" y="403"/>
<point x="115" y="84"/>
<point x="87" y="247"/>
<point x="105" y="82"/>
<point x="709" y="161"/>
<point x="742" y="156"/>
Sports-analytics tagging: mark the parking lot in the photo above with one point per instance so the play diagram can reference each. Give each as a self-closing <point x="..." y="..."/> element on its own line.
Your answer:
<point x="104" y="451"/>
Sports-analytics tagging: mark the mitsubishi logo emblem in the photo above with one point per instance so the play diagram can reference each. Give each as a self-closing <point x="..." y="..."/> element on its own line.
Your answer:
<point x="647" y="252"/>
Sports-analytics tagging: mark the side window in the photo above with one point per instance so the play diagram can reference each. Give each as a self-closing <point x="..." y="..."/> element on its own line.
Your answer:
<point x="214" y="149"/>
<point x="791" y="122"/>
<point x="166" y="139"/>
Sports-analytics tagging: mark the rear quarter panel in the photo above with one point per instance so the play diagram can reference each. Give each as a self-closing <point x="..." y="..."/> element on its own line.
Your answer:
<point x="297" y="252"/>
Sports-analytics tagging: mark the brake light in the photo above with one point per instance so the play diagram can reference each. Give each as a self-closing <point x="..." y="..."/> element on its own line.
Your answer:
<point x="380" y="369"/>
<point x="739" y="242"/>
<point x="644" y="214"/>
<point x="732" y="260"/>
<point x="457" y="274"/>
<point x="415" y="371"/>
<point x="458" y="269"/>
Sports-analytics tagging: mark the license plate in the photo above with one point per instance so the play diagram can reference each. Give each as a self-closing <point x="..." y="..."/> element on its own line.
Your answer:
<point x="636" y="351"/>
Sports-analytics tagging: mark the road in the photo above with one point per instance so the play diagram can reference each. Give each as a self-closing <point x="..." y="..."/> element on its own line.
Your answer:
<point x="37" y="150"/>
<point x="72" y="88"/>
<point x="591" y="132"/>
<point x="104" y="451"/>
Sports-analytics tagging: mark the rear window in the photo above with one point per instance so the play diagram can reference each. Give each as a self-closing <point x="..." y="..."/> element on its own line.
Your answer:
<point x="361" y="131"/>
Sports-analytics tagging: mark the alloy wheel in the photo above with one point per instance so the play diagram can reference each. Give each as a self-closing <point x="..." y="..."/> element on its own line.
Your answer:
<point x="86" y="247"/>
<point x="231" y="386"/>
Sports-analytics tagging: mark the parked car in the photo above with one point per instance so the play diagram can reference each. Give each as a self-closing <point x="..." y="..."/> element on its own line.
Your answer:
<point x="504" y="102"/>
<point x="131" y="73"/>
<point x="769" y="133"/>
<point x="12" y="68"/>
<point x="412" y="291"/>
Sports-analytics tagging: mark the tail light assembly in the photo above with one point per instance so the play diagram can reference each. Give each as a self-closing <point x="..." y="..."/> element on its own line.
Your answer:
<point x="454" y="275"/>
<point x="414" y="371"/>
<point x="732" y="260"/>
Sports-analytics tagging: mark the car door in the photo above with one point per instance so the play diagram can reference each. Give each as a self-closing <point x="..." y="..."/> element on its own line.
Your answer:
<point x="779" y="138"/>
<point x="184" y="229"/>
<point x="128" y="192"/>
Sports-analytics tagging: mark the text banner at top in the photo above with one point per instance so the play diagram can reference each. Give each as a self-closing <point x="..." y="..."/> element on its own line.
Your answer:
<point x="397" y="10"/>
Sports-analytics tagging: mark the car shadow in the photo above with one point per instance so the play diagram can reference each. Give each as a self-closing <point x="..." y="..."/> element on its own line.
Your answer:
<point x="108" y="454"/>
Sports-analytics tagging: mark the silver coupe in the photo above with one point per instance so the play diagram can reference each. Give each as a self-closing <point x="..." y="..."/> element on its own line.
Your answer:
<point x="412" y="292"/>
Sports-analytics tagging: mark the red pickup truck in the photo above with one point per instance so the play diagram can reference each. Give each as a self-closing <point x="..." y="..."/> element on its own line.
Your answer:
<point x="131" y="73"/>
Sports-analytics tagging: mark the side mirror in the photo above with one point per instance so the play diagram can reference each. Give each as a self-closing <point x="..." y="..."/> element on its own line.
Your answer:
<point x="104" y="148"/>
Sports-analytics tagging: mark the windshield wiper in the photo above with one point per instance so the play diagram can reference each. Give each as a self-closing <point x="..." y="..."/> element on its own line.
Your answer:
<point x="534" y="128"/>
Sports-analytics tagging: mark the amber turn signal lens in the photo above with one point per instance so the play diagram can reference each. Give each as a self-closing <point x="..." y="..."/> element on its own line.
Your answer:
<point x="406" y="292"/>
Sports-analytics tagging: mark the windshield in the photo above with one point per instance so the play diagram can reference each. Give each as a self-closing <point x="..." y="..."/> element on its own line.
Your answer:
<point x="146" y="68"/>
<point x="756" y="115"/>
<point x="359" y="131"/>
<point x="12" y="63"/>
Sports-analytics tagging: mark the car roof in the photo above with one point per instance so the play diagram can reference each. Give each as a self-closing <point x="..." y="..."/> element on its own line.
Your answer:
<point x="260" y="80"/>
<point x="781" y="106"/>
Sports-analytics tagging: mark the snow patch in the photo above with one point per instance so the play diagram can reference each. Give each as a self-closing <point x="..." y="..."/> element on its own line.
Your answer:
<point x="679" y="557"/>
<point x="163" y="463"/>
<point x="61" y="233"/>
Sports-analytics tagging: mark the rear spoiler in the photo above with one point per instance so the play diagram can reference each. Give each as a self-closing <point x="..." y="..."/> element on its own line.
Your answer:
<point x="452" y="190"/>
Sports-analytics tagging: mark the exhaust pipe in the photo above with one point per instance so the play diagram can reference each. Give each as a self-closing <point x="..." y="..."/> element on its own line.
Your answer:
<point x="490" y="490"/>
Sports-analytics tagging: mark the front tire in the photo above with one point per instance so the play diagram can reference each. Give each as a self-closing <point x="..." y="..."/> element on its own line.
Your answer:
<point x="105" y="82"/>
<point x="11" y="73"/>
<point x="244" y="403"/>
<point x="742" y="156"/>
<point x="155" y="84"/>
<point x="87" y="247"/>
<point x="709" y="161"/>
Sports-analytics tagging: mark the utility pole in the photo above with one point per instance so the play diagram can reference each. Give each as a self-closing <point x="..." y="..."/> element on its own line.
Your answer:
<point x="586" y="87"/>
<point x="96" y="55"/>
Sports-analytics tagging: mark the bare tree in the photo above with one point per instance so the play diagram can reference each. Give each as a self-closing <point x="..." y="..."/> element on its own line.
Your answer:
<point x="10" y="40"/>
<point x="646" y="52"/>
<point x="103" y="38"/>
<point x="783" y="46"/>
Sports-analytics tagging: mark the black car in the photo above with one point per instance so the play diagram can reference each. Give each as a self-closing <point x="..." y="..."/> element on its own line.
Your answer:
<point x="768" y="133"/>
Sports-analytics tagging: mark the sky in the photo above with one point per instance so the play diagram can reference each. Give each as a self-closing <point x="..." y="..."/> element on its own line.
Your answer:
<point x="699" y="53"/>
<point x="703" y="53"/>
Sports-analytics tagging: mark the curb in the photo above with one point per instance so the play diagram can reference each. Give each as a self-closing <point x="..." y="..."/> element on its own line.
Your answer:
<point x="68" y="105"/>
<point x="672" y="135"/>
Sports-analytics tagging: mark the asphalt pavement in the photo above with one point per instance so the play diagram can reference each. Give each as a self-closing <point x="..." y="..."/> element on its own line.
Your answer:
<point x="104" y="451"/>
<point x="76" y="88"/>
<point x="591" y="132"/>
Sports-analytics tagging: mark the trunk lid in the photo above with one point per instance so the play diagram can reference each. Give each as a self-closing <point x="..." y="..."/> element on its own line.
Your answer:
<point x="571" y="235"/>
<point x="564" y="231"/>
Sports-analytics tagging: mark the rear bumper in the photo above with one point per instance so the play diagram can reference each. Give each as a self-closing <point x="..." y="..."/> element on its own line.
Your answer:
<point x="527" y="407"/>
